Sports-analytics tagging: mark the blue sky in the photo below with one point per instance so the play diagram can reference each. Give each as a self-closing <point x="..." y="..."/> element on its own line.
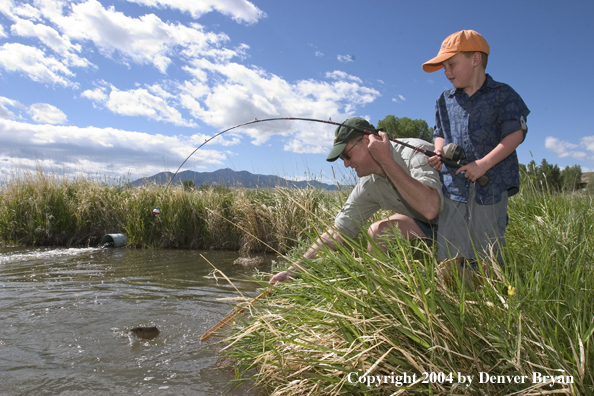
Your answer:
<point x="128" y="88"/>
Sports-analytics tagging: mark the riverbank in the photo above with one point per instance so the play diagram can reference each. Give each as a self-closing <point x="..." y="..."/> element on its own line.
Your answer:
<point x="355" y="324"/>
<point x="38" y="209"/>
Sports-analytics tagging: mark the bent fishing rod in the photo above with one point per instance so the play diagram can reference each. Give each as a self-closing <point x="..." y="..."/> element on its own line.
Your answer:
<point x="483" y="180"/>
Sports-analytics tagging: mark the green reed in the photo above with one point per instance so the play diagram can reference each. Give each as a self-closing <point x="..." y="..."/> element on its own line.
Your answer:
<point x="352" y="313"/>
<point x="40" y="209"/>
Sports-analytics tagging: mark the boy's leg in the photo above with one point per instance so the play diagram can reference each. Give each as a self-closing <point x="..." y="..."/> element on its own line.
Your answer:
<point x="453" y="238"/>
<point x="485" y="236"/>
<point x="487" y="227"/>
<point x="468" y="227"/>
<point x="464" y="228"/>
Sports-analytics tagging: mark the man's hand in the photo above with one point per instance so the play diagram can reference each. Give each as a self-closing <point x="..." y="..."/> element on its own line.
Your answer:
<point x="380" y="148"/>
<point x="284" y="276"/>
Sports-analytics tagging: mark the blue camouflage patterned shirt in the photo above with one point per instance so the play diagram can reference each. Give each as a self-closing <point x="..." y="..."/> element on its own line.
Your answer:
<point x="478" y="124"/>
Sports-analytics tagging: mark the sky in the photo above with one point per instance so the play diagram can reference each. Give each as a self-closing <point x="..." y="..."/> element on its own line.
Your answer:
<point x="125" y="89"/>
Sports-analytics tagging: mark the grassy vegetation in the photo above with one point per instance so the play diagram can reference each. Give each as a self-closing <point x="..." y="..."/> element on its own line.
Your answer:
<point x="38" y="209"/>
<point x="352" y="317"/>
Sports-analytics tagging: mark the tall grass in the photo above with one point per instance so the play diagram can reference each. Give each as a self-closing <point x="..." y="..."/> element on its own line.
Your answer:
<point x="352" y="317"/>
<point x="41" y="209"/>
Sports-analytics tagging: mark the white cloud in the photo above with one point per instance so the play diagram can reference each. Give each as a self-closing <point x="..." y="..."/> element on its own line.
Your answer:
<point x="319" y="54"/>
<point x="46" y="113"/>
<point x="588" y="143"/>
<point x="160" y="92"/>
<point x="340" y="75"/>
<point x="143" y="40"/>
<point x="26" y="11"/>
<point x="96" y="95"/>
<point x="11" y="102"/>
<point x="5" y="113"/>
<point x="2" y="34"/>
<point x="218" y="91"/>
<point x="246" y="93"/>
<point x="138" y="102"/>
<point x="15" y="57"/>
<point x="402" y="97"/>
<point x="243" y="93"/>
<point x="345" y="58"/>
<point x="239" y="10"/>
<point x="91" y="150"/>
<point x="565" y="149"/>
<point x="52" y="39"/>
<point x="230" y="139"/>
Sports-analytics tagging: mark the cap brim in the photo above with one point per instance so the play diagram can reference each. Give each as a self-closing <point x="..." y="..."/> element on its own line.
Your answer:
<point x="436" y="63"/>
<point x="336" y="151"/>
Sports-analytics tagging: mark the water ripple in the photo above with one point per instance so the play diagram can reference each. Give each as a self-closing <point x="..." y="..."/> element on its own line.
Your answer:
<point x="66" y="315"/>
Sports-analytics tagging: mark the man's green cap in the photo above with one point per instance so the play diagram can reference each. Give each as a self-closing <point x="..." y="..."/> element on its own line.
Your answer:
<point x="344" y="134"/>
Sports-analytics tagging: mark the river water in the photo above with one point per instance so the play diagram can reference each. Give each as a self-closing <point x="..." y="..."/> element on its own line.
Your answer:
<point x="65" y="316"/>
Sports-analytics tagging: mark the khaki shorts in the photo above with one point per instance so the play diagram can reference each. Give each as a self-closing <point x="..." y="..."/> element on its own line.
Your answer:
<point x="471" y="230"/>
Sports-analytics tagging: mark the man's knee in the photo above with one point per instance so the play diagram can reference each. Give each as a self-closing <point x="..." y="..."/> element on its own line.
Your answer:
<point x="374" y="231"/>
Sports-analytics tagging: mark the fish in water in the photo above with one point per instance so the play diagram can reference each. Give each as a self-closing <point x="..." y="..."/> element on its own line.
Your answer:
<point x="147" y="333"/>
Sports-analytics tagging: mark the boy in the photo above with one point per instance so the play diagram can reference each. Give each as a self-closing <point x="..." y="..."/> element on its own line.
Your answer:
<point x="488" y="120"/>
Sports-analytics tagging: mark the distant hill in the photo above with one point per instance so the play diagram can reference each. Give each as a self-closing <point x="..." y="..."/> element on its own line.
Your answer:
<point x="230" y="178"/>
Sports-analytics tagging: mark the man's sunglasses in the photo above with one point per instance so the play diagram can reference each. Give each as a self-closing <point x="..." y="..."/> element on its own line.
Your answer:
<point x="345" y="156"/>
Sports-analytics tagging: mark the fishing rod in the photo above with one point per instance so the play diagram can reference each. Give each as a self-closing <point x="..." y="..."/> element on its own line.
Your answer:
<point x="156" y="211"/>
<point x="483" y="180"/>
<point x="249" y="123"/>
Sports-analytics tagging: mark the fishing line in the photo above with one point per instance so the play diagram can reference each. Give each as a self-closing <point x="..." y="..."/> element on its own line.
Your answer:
<point x="483" y="180"/>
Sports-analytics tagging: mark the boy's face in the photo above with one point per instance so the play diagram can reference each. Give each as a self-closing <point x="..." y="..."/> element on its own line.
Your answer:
<point x="459" y="70"/>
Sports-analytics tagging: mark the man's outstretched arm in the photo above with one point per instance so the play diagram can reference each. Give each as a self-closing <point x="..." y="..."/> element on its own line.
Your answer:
<point x="327" y="239"/>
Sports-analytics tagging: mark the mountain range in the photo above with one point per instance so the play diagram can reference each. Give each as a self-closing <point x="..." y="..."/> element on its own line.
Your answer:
<point x="230" y="178"/>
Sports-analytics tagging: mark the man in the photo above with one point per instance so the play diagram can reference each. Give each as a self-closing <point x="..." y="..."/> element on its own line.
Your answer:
<point x="392" y="177"/>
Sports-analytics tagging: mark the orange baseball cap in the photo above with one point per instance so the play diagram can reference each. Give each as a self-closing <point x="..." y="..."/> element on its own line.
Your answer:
<point x="464" y="40"/>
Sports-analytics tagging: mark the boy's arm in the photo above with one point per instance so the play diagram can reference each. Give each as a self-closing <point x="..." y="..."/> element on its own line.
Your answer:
<point x="476" y="169"/>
